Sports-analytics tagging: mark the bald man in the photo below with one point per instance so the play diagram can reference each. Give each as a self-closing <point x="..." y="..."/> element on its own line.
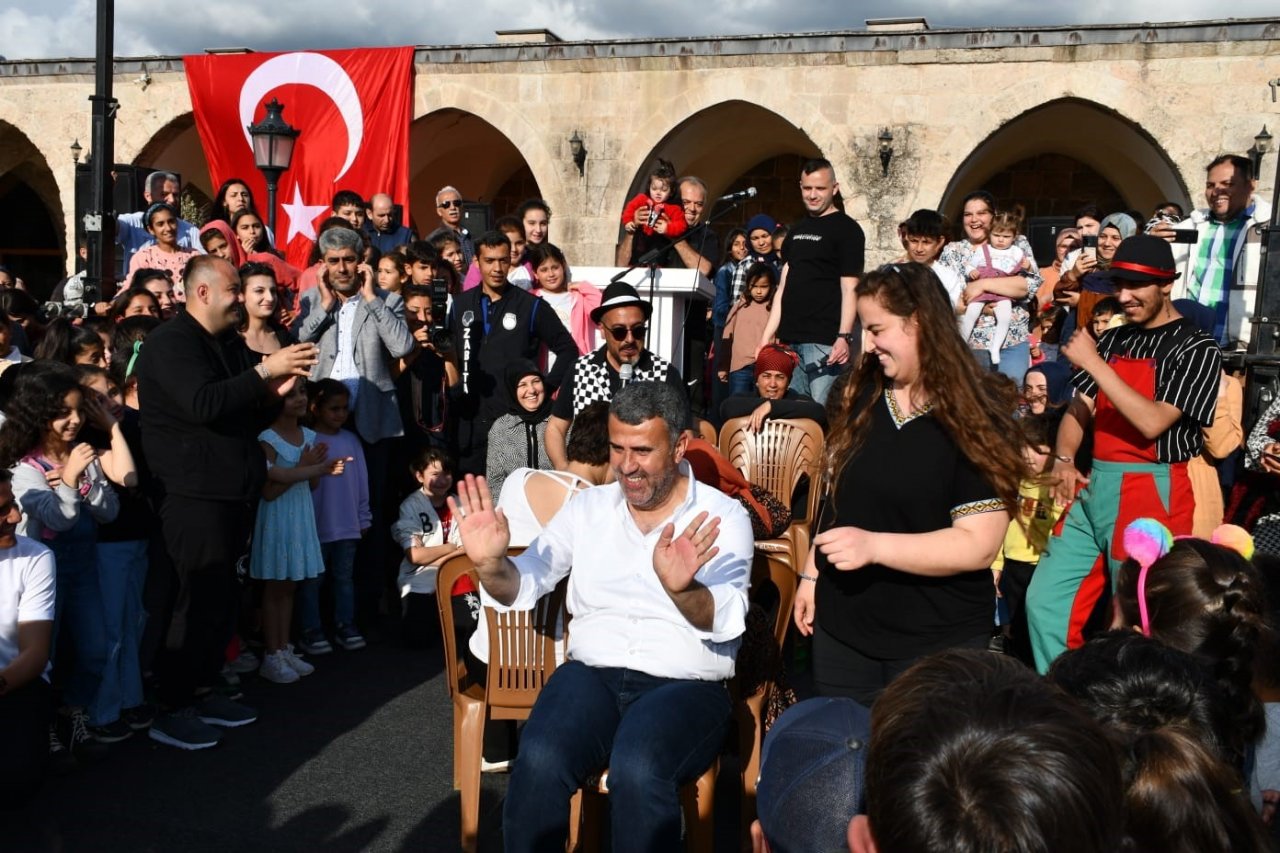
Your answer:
<point x="384" y="230"/>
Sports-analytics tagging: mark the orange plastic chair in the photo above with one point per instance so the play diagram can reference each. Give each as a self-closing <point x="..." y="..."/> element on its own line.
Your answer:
<point x="697" y="798"/>
<point x="706" y="430"/>
<point x="776" y="458"/>
<point x="521" y="659"/>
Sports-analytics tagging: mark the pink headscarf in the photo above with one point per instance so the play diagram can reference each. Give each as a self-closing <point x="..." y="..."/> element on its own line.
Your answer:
<point x="237" y="251"/>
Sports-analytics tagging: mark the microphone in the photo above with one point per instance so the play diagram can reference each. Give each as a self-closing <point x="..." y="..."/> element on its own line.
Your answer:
<point x="625" y="372"/>
<point x="749" y="192"/>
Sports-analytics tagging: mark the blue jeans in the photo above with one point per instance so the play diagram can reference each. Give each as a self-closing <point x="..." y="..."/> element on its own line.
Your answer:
<point x="742" y="380"/>
<point x="78" y="619"/>
<point x="654" y="735"/>
<point x="339" y="565"/>
<point x="1015" y="361"/>
<point x="813" y="376"/>
<point x="122" y="573"/>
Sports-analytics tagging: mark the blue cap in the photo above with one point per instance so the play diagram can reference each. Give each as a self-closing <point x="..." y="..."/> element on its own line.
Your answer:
<point x="811" y="775"/>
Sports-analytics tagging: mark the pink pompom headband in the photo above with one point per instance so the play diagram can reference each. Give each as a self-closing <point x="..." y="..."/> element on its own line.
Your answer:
<point x="1147" y="540"/>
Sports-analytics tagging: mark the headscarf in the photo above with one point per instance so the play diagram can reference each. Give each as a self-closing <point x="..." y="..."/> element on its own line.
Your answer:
<point x="516" y="371"/>
<point x="237" y="251"/>
<point x="1057" y="380"/>
<point x="1122" y="222"/>
<point x="776" y="357"/>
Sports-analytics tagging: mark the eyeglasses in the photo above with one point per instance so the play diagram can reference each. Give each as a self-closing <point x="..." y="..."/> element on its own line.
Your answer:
<point x="619" y="333"/>
<point x="453" y="202"/>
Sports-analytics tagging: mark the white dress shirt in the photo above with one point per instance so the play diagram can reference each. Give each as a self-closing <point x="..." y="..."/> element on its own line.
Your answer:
<point x="344" y="362"/>
<point x="621" y="615"/>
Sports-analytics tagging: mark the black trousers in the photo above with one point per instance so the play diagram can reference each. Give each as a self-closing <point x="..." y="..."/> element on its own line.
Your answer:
<point x="1014" y="581"/>
<point x="24" y="742"/>
<point x="840" y="670"/>
<point x="205" y="539"/>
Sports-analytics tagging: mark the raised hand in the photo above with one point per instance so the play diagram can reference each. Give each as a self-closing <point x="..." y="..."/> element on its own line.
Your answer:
<point x="484" y="529"/>
<point x="677" y="559"/>
<point x="80" y="457"/>
<point x="293" y="360"/>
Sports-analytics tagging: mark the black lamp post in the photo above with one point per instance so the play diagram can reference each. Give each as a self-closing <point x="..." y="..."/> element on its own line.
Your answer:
<point x="273" y="141"/>
<point x="885" y="138"/>
<point x="1261" y="145"/>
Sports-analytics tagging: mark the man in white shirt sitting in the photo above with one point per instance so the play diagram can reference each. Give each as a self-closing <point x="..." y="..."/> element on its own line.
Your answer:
<point x="658" y="596"/>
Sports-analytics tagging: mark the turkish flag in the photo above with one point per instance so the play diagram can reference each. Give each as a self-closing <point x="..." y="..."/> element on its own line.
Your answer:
<point x="352" y="109"/>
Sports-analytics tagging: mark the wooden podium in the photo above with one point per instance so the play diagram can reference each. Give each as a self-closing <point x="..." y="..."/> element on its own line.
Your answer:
<point x="675" y="293"/>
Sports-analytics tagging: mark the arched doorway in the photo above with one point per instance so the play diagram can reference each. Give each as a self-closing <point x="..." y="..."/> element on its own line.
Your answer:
<point x="1059" y="155"/>
<point x="32" y="242"/>
<point x="458" y="148"/>
<point x="176" y="148"/>
<point x="734" y="145"/>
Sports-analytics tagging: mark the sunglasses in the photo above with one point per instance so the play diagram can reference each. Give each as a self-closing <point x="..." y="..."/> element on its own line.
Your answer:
<point x="445" y="205"/>
<point x="619" y="333"/>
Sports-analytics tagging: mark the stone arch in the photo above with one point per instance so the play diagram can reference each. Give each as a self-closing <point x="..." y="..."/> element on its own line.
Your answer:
<point x="454" y="146"/>
<point x="32" y="221"/>
<point x="176" y="148"/>
<point x="1116" y="148"/>
<point x="732" y="145"/>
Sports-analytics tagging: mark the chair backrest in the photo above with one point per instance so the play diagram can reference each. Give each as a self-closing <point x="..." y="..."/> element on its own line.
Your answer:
<point x="522" y="652"/>
<point x="447" y="575"/>
<point x="777" y="457"/>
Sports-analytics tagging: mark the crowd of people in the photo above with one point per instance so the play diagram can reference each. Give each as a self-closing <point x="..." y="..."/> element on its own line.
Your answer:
<point x="231" y="466"/>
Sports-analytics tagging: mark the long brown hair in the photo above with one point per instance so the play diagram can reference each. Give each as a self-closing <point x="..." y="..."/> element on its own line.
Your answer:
<point x="974" y="407"/>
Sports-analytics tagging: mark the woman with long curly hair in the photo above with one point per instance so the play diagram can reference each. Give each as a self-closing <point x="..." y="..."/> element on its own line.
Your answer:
<point x="923" y="475"/>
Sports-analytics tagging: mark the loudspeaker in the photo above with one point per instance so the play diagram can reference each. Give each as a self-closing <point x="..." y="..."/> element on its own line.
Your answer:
<point x="477" y="217"/>
<point x="1042" y="233"/>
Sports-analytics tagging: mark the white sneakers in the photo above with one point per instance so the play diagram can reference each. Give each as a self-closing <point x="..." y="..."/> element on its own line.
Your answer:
<point x="284" y="666"/>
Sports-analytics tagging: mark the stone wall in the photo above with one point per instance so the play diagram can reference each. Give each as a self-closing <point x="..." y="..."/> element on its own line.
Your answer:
<point x="1142" y="108"/>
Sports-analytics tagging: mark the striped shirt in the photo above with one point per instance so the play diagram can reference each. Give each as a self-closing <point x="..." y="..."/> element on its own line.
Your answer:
<point x="1188" y="367"/>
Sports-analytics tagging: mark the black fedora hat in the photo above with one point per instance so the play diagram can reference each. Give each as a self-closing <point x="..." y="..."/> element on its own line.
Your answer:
<point x="619" y="295"/>
<point x="1143" y="258"/>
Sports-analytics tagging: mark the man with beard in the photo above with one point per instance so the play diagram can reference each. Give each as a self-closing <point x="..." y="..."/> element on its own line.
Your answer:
<point x="622" y="318"/>
<point x="493" y="325"/>
<point x="361" y="333"/>
<point x="658" y="566"/>
<point x="202" y="403"/>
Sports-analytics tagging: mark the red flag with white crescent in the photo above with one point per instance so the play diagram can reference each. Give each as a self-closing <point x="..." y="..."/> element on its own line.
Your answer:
<point x="352" y="109"/>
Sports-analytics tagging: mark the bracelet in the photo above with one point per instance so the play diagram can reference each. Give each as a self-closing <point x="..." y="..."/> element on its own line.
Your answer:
<point x="1067" y="459"/>
<point x="805" y="577"/>
<point x="262" y="371"/>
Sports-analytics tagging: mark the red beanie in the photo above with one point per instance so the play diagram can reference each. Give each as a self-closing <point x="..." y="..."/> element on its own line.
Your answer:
<point x="776" y="357"/>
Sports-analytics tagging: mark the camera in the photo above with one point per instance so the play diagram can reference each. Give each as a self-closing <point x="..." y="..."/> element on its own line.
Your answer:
<point x="78" y="299"/>
<point x="439" y="329"/>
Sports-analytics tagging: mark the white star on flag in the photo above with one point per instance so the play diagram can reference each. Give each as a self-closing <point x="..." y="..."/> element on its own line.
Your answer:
<point x="302" y="216"/>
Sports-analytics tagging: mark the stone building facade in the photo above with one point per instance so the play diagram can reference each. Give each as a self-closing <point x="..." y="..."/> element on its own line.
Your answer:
<point x="1124" y="114"/>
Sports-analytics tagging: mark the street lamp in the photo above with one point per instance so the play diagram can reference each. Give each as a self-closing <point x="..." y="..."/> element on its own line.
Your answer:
<point x="1261" y="145"/>
<point x="76" y="148"/>
<point x="273" y="141"/>
<point x="885" y="138"/>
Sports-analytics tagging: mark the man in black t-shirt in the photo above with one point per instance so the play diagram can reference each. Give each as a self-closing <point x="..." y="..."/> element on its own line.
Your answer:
<point x="1146" y="390"/>
<point x="813" y="311"/>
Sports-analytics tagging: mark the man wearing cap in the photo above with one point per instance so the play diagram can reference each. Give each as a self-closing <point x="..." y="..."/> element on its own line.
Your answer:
<point x="1146" y="390"/>
<point x="622" y="318"/>
<point x="814" y="309"/>
<point x="773" y="398"/>
<point x="493" y="325"/>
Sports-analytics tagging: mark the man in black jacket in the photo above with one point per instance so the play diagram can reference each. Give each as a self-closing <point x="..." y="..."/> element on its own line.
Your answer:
<point x="202" y="404"/>
<point x="493" y="325"/>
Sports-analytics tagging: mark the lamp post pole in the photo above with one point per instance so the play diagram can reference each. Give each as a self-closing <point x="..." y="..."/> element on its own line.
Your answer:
<point x="100" y="221"/>
<point x="273" y="141"/>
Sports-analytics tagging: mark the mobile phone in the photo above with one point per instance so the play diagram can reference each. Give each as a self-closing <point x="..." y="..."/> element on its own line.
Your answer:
<point x="1090" y="243"/>
<point x="1185" y="235"/>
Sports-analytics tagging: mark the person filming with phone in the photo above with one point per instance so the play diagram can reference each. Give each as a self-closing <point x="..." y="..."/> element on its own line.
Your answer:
<point x="1218" y="248"/>
<point x="360" y="333"/>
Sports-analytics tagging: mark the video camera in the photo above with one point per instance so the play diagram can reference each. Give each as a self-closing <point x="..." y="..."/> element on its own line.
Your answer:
<point x="439" y="328"/>
<point x="78" y="299"/>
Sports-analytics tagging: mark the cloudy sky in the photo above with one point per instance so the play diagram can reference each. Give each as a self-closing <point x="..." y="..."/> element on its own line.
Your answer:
<point x="65" y="28"/>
